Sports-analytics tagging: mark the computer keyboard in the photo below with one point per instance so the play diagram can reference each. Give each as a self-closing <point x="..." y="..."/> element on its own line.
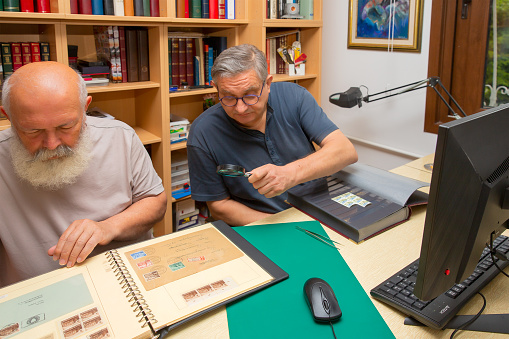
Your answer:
<point x="397" y="291"/>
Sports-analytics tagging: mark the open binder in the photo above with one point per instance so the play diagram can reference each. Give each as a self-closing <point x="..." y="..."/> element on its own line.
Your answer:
<point x="138" y="290"/>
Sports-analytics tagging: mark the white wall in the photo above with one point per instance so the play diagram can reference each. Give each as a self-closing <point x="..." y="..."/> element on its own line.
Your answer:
<point x="389" y="132"/>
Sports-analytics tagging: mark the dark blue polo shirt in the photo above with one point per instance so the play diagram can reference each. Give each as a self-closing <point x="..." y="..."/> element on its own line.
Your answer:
<point x="294" y="120"/>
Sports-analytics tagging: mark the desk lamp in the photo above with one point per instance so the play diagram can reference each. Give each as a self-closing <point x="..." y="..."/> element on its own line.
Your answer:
<point x="353" y="96"/>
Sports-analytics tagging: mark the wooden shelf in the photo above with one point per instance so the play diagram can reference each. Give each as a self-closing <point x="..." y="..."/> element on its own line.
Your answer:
<point x="178" y="145"/>
<point x="146" y="137"/>
<point x="4" y="124"/>
<point x="283" y="23"/>
<point x="126" y="86"/>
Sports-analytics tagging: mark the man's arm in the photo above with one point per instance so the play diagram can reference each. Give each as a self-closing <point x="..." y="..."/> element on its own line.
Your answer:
<point x="335" y="153"/>
<point x="82" y="236"/>
<point x="233" y="212"/>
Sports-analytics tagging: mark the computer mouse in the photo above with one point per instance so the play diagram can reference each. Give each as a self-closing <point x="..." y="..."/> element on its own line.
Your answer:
<point x="321" y="300"/>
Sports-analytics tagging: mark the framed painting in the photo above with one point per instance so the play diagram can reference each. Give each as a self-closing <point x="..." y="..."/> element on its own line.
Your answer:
<point x="385" y="24"/>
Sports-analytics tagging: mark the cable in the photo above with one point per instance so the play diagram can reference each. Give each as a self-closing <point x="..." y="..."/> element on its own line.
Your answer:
<point x="333" y="333"/>
<point x="474" y="318"/>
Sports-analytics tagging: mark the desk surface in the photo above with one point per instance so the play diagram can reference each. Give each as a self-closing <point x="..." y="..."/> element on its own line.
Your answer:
<point x="373" y="261"/>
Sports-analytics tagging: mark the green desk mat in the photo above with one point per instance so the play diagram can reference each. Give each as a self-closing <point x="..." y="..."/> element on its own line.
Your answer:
<point x="281" y="310"/>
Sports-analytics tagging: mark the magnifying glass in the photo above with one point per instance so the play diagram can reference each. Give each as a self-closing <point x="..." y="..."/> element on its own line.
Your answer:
<point x="228" y="170"/>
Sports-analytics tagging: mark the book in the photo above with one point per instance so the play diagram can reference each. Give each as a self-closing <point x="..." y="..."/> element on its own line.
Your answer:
<point x="97" y="7"/>
<point x="154" y="8"/>
<point x="118" y="8"/>
<point x="143" y="56"/>
<point x="43" y="6"/>
<point x="45" y="52"/>
<point x="175" y="77"/>
<point x="307" y="9"/>
<point x="17" y="59"/>
<point x="123" y="55"/>
<point x="221" y="9"/>
<point x="6" y="59"/>
<point x="85" y="6"/>
<point x="146" y="7"/>
<point x="182" y="62"/>
<point x="131" y="46"/>
<point x="26" y="6"/>
<point x="182" y="8"/>
<point x="108" y="8"/>
<point x="230" y="9"/>
<point x="74" y="7"/>
<point x="128" y="7"/>
<point x="213" y="9"/>
<point x="116" y="55"/>
<point x="195" y="9"/>
<point x="205" y="9"/>
<point x="137" y="290"/>
<point x="360" y="201"/>
<point x="190" y="53"/>
<point x="26" y="53"/>
<point x="11" y="6"/>
<point x="35" y="50"/>
<point x="138" y="8"/>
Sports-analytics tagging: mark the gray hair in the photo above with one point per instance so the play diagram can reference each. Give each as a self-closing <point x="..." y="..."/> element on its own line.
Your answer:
<point x="7" y="85"/>
<point x="239" y="59"/>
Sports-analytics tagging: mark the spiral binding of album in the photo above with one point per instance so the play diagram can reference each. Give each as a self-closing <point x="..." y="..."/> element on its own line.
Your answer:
<point x="132" y="291"/>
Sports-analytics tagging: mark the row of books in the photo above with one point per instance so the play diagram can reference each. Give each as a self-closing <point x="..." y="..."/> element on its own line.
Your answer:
<point x="16" y="54"/>
<point x="278" y="43"/>
<point x="116" y="7"/>
<point x="39" y="6"/>
<point x="205" y="9"/>
<point x="276" y="9"/>
<point x="124" y="49"/>
<point x="191" y="56"/>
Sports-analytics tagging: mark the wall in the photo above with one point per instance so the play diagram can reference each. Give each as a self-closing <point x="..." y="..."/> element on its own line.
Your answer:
<point x="389" y="132"/>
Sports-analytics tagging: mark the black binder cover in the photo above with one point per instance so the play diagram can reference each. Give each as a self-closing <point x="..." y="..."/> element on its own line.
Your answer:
<point x="268" y="265"/>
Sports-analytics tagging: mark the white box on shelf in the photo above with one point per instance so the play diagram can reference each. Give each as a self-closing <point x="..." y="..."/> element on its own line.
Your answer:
<point x="296" y="70"/>
<point x="178" y="127"/>
<point x="186" y="220"/>
<point x="178" y="161"/>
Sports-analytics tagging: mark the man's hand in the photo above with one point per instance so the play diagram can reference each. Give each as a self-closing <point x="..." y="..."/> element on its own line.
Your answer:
<point x="78" y="241"/>
<point x="271" y="180"/>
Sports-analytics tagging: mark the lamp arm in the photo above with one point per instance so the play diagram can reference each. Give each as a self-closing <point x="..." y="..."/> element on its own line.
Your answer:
<point x="429" y="82"/>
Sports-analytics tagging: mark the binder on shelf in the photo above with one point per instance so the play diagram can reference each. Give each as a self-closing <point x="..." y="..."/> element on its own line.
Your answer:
<point x="137" y="290"/>
<point x="359" y="201"/>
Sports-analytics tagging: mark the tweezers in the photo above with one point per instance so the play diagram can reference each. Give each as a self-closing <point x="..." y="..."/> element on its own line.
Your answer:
<point x="319" y="237"/>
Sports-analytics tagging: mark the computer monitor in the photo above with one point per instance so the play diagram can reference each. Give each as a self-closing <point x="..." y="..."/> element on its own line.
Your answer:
<point x="468" y="199"/>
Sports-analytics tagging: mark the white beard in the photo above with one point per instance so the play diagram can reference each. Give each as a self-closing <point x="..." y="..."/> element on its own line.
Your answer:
<point x="41" y="171"/>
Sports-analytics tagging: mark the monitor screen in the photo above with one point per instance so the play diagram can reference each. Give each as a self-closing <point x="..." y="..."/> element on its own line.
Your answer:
<point x="468" y="192"/>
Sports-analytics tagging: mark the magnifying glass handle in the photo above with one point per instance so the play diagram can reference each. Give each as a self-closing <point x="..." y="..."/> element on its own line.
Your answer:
<point x="248" y="174"/>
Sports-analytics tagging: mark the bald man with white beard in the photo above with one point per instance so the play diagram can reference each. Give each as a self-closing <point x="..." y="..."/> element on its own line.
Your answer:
<point x="71" y="186"/>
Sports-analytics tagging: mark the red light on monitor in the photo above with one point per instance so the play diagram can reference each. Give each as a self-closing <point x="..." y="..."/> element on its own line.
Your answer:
<point x="447" y="271"/>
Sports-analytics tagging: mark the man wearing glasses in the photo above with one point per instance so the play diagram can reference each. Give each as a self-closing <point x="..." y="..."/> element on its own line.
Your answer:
<point x="267" y="128"/>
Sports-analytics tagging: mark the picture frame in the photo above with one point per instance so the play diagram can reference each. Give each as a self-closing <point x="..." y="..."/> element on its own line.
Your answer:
<point x="385" y="24"/>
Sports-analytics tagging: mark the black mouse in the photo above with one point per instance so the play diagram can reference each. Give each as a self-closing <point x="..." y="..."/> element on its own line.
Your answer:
<point x="321" y="300"/>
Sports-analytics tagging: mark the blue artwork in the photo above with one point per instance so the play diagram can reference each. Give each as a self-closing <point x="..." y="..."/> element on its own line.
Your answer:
<point x="378" y="18"/>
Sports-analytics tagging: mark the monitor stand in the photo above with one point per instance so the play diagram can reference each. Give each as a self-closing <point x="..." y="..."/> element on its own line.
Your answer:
<point x="493" y="323"/>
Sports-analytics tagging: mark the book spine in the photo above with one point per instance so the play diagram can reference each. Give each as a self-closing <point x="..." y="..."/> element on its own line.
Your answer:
<point x="146" y="7"/>
<point x="26" y="54"/>
<point x="128" y="7"/>
<point x="27" y="6"/>
<point x="132" y="54"/>
<point x="108" y="7"/>
<point x="131" y="291"/>
<point x="182" y="60"/>
<point x="35" y="50"/>
<point x="211" y="61"/>
<point x="138" y="7"/>
<point x="189" y="61"/>
<point x="74" y="7"/>
<point x="11" y="6"/>
<point x="43" y="6"/>
<point x="195" y="9"/>
<point x="205" y="9"/>
<point x="213" y="9"/>
<point x="206" y="64"/>
<point x="169" y="62"/>
<point x="97" y="7"/>
<point x="118" y="8"/>
<point x="143" y="59"/>
<point x="230" y="9"/>
<point x="154" y="8"/>
<point x="1" y="5"/>
<point x="181" y="8"/>
<point x="123" y="55"/>
<point x="85" y="6"/>
<point x="116" y="48"/>
<point x="221" y="9"/>
<point x="17" y="60"/>
<point x="45" y="55"/>
<point x="175" y="77"/>
<point x="6" y="59"/>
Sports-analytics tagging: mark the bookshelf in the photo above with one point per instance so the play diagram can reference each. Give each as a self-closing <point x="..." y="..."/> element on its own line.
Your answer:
<point x="146" y="106"/>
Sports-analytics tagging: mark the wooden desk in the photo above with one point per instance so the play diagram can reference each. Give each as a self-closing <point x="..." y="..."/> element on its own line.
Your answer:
<point x="373" y="261"/>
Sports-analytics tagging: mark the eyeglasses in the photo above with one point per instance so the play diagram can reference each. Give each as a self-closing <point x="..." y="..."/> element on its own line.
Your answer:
<point x="248" y="99"/>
